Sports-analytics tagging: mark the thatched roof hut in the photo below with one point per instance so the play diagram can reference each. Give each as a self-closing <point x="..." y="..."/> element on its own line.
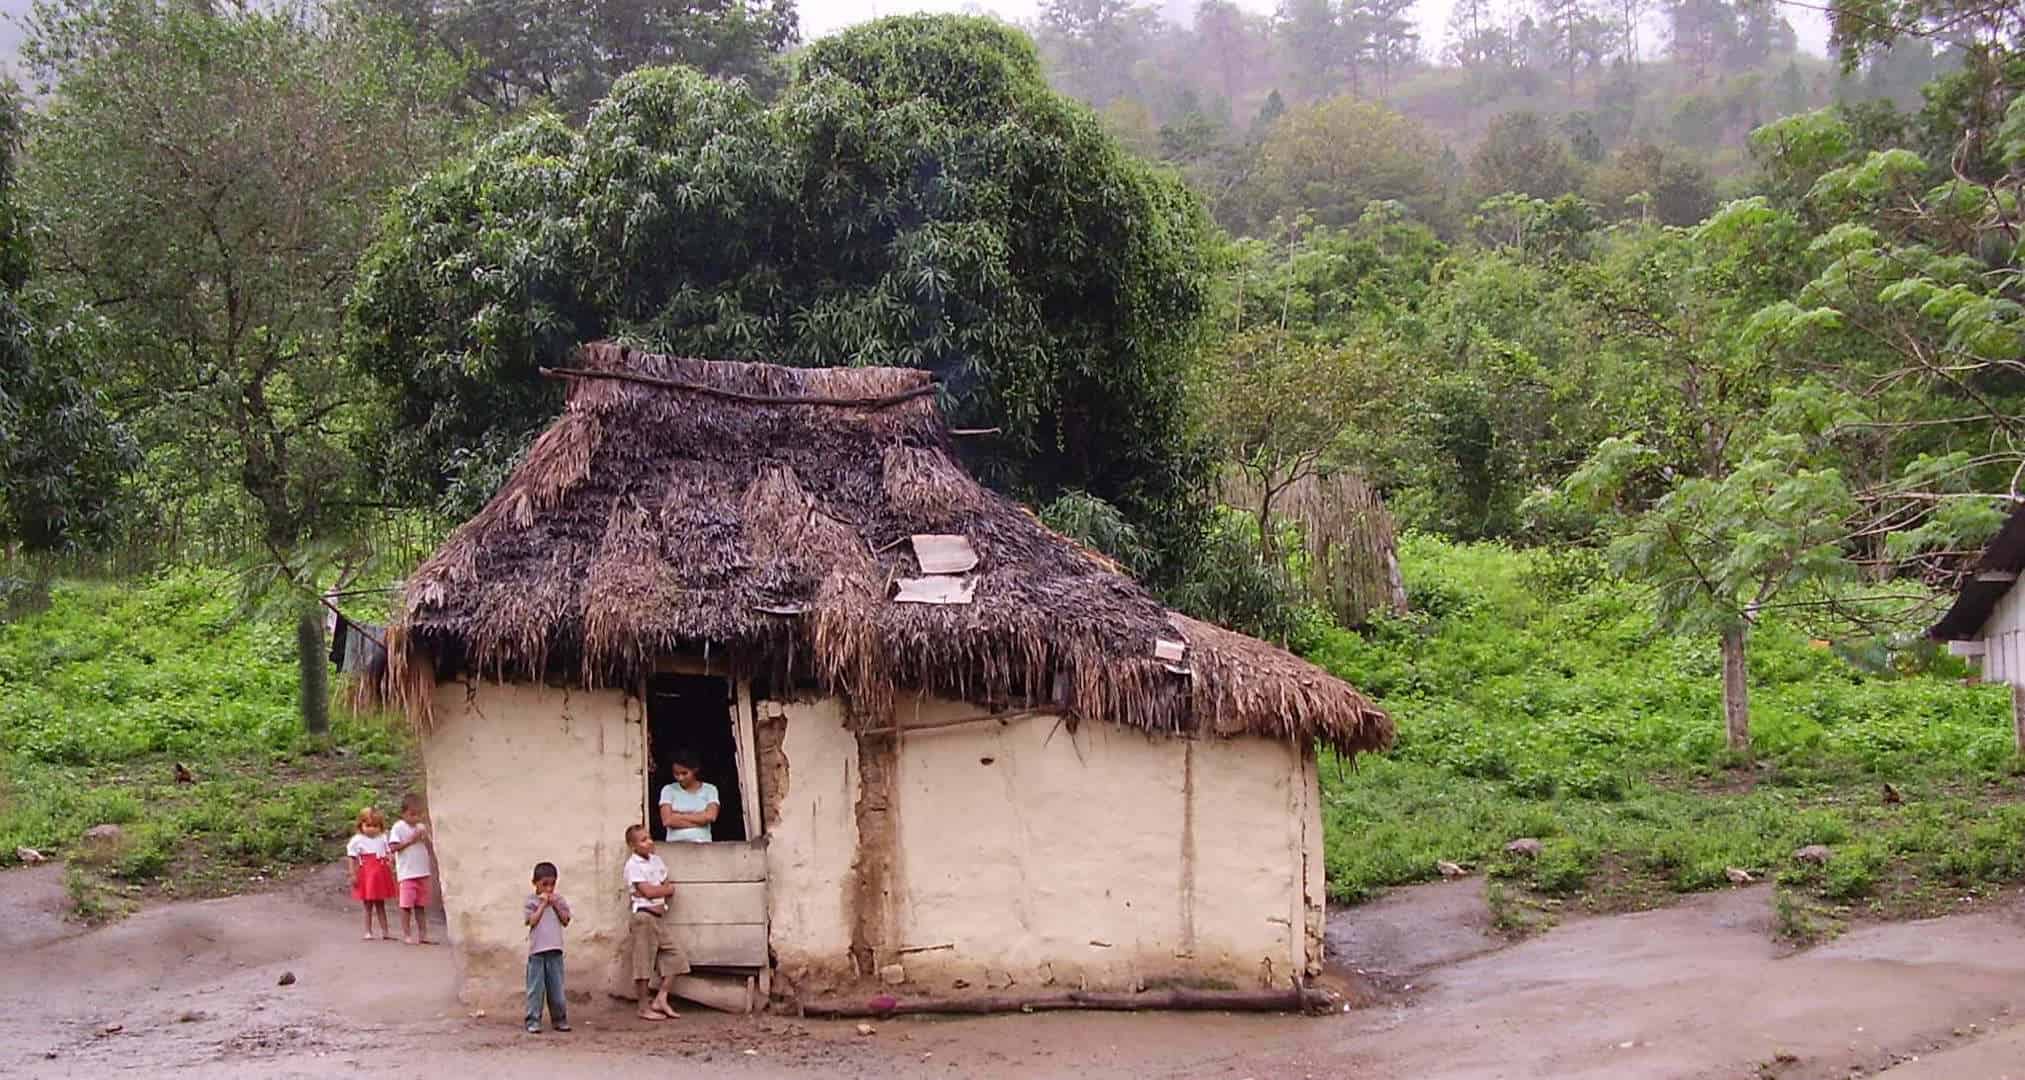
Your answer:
<point x="764" y="514"/>
<point x="895" y="679"/>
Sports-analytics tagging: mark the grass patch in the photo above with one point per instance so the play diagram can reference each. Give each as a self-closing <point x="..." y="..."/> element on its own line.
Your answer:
<point x="1535" y="698"/>
<point x="111" y="686"/>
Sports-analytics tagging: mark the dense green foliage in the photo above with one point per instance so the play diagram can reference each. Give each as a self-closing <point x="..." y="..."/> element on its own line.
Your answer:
<point x="881" y="211"/>
<point x="1535" y="697"/>
<point x="111" y="686"/>
<point x="270" y="134"/>
<point x="61" y="459"/>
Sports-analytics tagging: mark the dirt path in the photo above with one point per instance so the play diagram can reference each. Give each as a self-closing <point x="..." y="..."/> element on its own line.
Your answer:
<point x="1695" y="991"/>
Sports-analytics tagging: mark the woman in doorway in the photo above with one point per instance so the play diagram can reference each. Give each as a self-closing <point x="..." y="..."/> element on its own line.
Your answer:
<point x="688" y="806"/>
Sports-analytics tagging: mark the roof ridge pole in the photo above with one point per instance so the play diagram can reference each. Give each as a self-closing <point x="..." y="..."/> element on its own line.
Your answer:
<point x="880" y="401"/>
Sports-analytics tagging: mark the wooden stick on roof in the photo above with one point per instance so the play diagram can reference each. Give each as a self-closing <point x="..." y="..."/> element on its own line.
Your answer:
<point x="880" y="402"/>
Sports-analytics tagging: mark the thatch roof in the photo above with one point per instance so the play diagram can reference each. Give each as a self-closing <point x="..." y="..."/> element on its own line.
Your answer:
<point x="730" y="517"/>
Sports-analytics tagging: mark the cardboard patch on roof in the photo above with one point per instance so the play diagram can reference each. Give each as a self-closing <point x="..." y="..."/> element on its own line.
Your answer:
<point x="1170" y="651"/>
<point x="938" y="589"/>
<point x="942" y="553"/>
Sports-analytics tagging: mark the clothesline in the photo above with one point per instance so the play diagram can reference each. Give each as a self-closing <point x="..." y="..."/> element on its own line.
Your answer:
<point x="346" y="620"/>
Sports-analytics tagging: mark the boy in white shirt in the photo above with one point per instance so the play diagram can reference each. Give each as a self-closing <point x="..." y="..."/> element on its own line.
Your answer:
<point x="413" y="868"/>
<point x="652" y="950"/>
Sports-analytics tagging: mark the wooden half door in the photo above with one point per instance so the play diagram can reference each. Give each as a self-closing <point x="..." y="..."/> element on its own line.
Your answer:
<point x="719" y="907"/>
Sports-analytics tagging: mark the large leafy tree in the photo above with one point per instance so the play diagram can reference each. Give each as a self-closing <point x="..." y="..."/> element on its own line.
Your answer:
<point x="1728" y="496"/>
<point x="1276" y="404"/>
<point x="1914" y="321"/>
<point x="206" y="178"/>
<point x="1520" y="154"/>
<point x="61" y="456"/>
<point x="916" y="196"/>
<point x="1653" y="183"/>
<point x="1334" y="158"/>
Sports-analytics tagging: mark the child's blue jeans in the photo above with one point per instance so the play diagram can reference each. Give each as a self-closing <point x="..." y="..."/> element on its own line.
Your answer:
<point x="545" y="978"/>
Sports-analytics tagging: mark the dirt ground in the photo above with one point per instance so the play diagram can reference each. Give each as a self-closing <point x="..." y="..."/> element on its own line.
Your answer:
<point x="1697" y="990"/>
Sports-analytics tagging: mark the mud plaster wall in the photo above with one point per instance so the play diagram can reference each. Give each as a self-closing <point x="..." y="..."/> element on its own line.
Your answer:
<point x="1024" y="855"/>
<point x="812" y="839"/>
<point x="519" y="774"/>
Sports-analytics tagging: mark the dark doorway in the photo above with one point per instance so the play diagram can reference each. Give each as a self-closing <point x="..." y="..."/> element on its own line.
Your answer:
<point x="694" y="711"/>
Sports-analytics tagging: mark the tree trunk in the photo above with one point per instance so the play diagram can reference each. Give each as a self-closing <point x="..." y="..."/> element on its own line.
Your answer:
<point x="1736" y="692"/>
<point x="312" y="679"/>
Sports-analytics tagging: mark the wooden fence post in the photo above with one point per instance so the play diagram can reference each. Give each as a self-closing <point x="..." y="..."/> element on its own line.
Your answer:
<point x="2018" y="717"/>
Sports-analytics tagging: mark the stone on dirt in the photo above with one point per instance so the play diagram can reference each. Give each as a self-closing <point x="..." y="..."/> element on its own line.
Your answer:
<point x="103" y="834"/>
<point x="1738" y="877"/>
<point x="1449" y="869"/>
<point x="866" y="1029"/>
<point x="892" y="974"/>
<point x="1813" y="853"/>
<point x="1525" y="845"/>
<point x="29" y="856"/>
<point x="287" y="979"/>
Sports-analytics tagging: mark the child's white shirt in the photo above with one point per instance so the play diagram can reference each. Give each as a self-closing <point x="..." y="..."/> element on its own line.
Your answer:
<point x="411" y="861"/>
<point x="361" y="844"/>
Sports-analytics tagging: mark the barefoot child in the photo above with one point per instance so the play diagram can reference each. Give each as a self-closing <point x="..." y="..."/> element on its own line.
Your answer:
<point x="372" y="869"/>
<point x="547" y="913"/>
<point x="413" y="866"/>
<point x="652" y="950"/>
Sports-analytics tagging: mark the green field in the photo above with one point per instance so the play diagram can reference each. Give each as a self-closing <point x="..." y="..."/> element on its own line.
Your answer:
<point x="1535" y="699"/>
<point x="107" y="690"/>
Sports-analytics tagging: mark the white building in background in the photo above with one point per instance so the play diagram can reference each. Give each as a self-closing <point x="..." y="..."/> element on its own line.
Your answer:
<point x="1987" y="621"/>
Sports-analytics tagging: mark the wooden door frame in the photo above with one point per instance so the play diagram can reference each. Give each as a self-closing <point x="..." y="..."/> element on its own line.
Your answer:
<point x="743" y="734"/>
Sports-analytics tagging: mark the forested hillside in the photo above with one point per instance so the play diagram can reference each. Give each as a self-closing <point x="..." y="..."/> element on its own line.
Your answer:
<point x="1609" y="100"/>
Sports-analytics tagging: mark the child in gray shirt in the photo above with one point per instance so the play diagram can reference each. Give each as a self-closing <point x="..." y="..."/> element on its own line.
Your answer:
<point x="547" y="913"/>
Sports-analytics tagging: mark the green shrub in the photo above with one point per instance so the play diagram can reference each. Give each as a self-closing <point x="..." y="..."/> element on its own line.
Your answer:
<point x="1563" y="867"/>
<point x="1851" y="874"/>
<point x="145" y="853"/>
<point x="86" y="899"/>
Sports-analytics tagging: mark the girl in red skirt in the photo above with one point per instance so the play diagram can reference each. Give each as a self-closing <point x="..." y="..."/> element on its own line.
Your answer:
<point x="372" y="869"/>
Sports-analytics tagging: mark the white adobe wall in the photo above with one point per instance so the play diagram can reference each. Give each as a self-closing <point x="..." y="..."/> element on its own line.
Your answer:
<point x="1106" y="859"/>
<point x="519" y="774"/>
<point x="811" y="846"/>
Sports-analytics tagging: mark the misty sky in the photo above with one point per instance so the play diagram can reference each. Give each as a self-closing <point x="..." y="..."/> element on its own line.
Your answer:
<point x="820" y="17"/>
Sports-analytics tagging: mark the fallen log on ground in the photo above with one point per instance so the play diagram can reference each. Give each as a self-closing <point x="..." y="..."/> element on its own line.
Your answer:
<point x="1287" y="999"/>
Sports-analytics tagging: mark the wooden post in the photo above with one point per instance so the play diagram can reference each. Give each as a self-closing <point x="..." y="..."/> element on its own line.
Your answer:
<point x="871" y="895"/>
<point x="2018" y="717"/>
<point x="1736" y="690"/>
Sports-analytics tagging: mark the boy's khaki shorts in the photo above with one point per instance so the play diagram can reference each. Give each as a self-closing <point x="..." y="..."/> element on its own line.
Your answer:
<point x="652" y="951"/>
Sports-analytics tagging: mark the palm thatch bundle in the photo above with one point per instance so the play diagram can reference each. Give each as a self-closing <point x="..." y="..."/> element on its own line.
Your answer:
<point x="767" y="518"/>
